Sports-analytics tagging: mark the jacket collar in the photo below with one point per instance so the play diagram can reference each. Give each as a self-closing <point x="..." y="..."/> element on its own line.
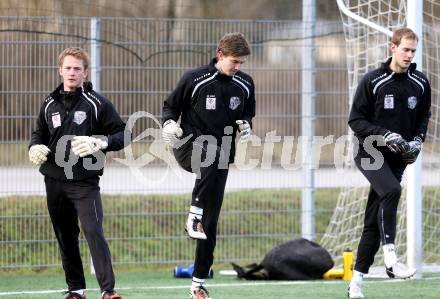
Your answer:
<point x="386" y="66"/>
<point x="212" y="69"/>
<point x="60" y="93"/>
<point x="211" y="66"/>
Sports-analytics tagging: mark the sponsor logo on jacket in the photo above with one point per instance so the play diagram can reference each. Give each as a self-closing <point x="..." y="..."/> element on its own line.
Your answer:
<point x="388" y="101"/>
<point x="210" y="102"/>
<point x="56" y="119"/>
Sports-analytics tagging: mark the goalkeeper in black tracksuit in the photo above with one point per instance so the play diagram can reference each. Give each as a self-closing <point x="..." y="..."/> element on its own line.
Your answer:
<point x="391" y="106"/>
<point x="72" y="159"/>
<point x="213" y="102"/>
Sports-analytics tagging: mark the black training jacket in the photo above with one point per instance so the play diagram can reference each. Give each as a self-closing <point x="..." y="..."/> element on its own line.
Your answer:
<point x="83" y="112"/>
<point x="207" y="101"/>
<point x="387" y="101"/>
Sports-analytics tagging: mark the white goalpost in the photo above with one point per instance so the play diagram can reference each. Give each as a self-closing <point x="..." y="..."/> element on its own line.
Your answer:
<point x="368" y="26"/>
<point x="414" y="229"/>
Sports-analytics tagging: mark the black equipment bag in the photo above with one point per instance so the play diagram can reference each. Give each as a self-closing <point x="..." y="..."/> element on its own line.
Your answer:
<point x="298" y="259"/>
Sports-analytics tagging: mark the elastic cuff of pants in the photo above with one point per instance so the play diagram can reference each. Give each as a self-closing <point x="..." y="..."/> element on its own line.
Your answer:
<point x="78" y="291"/>
<point x="200" y="281"/>
<point x="196" y="210"/>
<point x="359" y="271"/>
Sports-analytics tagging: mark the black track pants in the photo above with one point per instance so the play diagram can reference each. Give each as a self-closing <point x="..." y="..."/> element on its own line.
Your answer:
<point x="66" y="202"/>
<point x="207" y="194"/>
<point x="381" y="209"/>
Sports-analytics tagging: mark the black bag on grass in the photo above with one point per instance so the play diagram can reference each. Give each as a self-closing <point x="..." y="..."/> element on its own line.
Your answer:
<point x="298" y="259"/>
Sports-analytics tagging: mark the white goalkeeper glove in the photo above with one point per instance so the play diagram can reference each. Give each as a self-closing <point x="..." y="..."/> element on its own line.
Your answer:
<point x="86" y="145"/>
<point x="171" y="132"/>
<point x="38" y="153"/>
<point x="245" y="130"/>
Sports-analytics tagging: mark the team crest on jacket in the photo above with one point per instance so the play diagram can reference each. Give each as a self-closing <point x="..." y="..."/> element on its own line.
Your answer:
<point x="210" y="102"/>
<point x="412" y="102"/>
<point x="79" y="117"/>
<point x="234" y="102"/>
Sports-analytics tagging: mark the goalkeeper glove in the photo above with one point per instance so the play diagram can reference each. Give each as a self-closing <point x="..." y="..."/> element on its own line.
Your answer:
<point x="38" y="153"/>
<point x="245" y="130"/>
<point x="415" y="146"/>
<point x="86" y="145"/>
<point x="395" y="142"/>
<point x="171" y="132"/>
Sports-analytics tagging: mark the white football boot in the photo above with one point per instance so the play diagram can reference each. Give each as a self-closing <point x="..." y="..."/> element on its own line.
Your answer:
<point x="399" y="270"/>
<point x="355" y="290"/>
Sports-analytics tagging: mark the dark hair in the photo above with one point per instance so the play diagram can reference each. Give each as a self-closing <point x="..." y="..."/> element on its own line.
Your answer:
<point x="234" y="44"/>
<point x="403" y="33"/>
<point x="76" y="52"/>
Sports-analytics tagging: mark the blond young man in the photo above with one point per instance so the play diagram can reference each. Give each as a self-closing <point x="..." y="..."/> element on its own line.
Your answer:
<point x="76" y="126"/>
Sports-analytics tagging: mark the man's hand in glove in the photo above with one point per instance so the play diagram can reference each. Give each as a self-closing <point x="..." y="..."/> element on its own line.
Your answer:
<point x="415" y="146"/>
<point x="395" y="142"/>
<point x="171" y="132"/>
<point x="244" y="129"/>
<point x="38" y="153"/>
<point x="87" y="145"/>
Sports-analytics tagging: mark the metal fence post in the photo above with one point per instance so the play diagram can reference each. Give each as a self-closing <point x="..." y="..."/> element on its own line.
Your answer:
<point x="95" y="70"/>
<point x="308" y="120"/>
<point x="95" y="65"/>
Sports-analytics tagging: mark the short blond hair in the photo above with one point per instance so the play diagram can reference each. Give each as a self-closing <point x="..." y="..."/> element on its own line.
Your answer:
<point x="78" y="53"/>
<point x="234" y="44"/>
<point x="403" y="33"/>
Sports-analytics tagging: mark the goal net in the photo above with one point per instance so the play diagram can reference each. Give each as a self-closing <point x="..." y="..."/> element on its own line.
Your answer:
<point x="366" y="49"/>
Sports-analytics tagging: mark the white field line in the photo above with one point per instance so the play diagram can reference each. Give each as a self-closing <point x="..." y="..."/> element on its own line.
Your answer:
<point x="219" y="285"/>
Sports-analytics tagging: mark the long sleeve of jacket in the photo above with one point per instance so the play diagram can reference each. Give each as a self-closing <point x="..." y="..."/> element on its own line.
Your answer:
<point x="112" y="127"/>
<point x="41" y="133"/>
<point x="362" y="111"/>
<point x="249" y="108"/>
<point x="181" y="95"/>
<point x="424" y="113"/>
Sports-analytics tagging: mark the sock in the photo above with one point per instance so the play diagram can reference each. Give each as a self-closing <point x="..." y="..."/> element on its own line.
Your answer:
<point x="389" y="254"/>
<point x="196" y="282"/>
<point x="195" y="212"/>
<point x="358" y="277"/>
